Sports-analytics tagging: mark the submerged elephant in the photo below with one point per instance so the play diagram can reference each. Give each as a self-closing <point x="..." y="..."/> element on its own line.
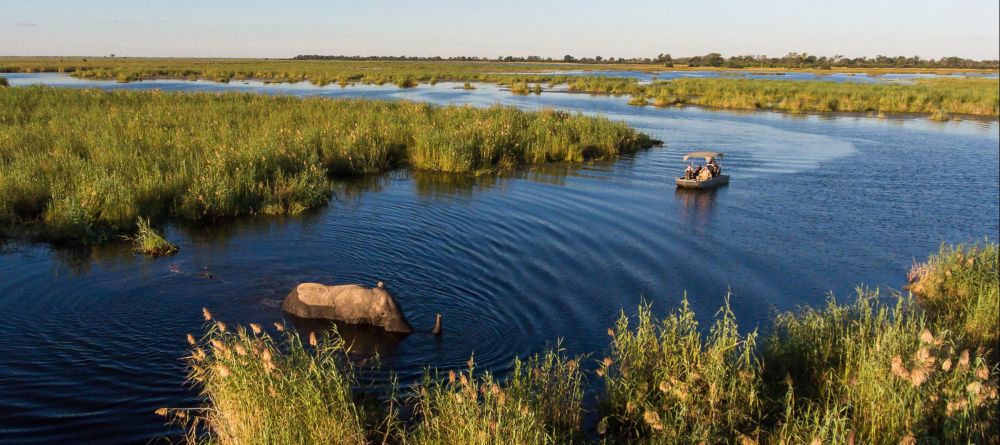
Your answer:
<point x="350" y="303"/>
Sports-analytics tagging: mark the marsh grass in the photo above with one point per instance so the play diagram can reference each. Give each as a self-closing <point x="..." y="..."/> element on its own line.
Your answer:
<point x="4" y="82"/>
<point x="272" y="390"/>
<point x="540" y="402"/>
<point x="959" y="288"/>
<point x="147" y="241"/>
<point x="638" y="101"/>
<point x="940" y="98"/>
<point x="87" y="163"/>
<point x="879" y="369"/>
<point x="665" y="382"/>
<point x="286" y="390"/>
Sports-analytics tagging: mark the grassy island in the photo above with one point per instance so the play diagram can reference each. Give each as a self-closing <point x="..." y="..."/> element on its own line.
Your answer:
<point x="879" y="368"/>
<point x="940" y="98"/>
<point x="87" y="164"/>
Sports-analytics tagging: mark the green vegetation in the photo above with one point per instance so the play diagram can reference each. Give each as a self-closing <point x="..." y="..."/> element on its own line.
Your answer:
<point x="958" y="286"/>
<point x="942" y="98"/>
<point x="401" y="73"/>
<point x="523" y="88"/>
<point x="903" y="369"/>
<point x="938" y="97"/>
<point x="268" y="391"/>
<point x="4" y="82"/>
<point x="148" y="242"/>
<point x="664" y="383"/>
<point x="86" y="164"/>
<point x="540" y="402"/>
<point x="710" y="60"/>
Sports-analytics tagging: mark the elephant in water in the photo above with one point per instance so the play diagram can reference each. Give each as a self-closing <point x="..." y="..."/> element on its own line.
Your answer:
<point x="350" y="303"/>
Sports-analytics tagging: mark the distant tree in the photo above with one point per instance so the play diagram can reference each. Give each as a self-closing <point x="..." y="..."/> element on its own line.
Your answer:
<point x="713" y="59"/>
<point x="951" y="61"/>
<point x="568" y="58"/>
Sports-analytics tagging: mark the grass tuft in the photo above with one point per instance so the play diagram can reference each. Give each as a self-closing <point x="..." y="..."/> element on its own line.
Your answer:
<point x="666" y="383"/>
<point x="959" y="288"/>
<point x="147" y="241"/>
<point x="539" y="403"/>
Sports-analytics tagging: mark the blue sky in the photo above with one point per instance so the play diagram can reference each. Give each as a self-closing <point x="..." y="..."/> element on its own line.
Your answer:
<point x="966" y="28"/>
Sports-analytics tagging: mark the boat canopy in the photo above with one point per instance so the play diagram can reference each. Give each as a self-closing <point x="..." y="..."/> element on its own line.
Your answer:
<point x="703" y="154"/>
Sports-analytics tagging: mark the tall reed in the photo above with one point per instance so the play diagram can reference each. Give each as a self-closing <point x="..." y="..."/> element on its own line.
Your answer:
<point x="958" y="286"/>
<point x="667" y="383"/>
<point x="88" y="163"/>
<point x="880" y="369"/>
<point x="539" y="403"/>
<point x="940" y="98"/>
<point x="265" y="390"/>
<point x="878" y="372"/>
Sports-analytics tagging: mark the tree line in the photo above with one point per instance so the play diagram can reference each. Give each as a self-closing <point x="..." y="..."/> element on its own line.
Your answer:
<point x="790" y="60"/>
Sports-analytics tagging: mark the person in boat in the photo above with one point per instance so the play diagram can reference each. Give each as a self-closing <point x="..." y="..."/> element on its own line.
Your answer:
<point x="689" y="172"/>
<point x="704" y="174"/>
<point x="713" y="166"/>
<point x="697" y="171"/>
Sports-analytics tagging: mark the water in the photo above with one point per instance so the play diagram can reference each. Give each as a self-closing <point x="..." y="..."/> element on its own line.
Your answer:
<point x="91" y="340"/>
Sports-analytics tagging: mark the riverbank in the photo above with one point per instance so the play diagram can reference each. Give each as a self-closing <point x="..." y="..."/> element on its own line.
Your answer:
<point x="86" y="164"/>
<point x="880" y="368"/>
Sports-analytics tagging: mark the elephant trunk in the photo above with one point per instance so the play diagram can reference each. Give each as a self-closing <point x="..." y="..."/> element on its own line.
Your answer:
<point x="437" y="325"/>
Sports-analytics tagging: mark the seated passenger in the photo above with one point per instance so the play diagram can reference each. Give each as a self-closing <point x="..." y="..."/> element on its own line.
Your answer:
<point x="713" y="167"/>
<point x="705" y="174"/>
<point x="689" y="172"/>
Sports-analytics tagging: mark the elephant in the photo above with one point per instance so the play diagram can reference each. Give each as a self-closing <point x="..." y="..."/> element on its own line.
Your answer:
<point x="349" y="303"/>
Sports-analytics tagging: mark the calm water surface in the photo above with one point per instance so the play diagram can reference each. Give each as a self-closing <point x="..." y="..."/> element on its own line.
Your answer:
<point x="91" y="340"/>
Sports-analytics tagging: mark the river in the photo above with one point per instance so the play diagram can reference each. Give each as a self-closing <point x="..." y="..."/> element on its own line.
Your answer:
<point x="92" y="339"/>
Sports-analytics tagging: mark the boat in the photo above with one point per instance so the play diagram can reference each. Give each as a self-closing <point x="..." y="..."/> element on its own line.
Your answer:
<point x="720" y="179"/>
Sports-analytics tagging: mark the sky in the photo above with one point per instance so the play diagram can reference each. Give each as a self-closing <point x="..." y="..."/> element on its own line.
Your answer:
<point x="622" y="28"/>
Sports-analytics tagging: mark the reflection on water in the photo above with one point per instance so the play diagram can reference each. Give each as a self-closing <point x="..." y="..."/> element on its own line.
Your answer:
<point x="363" y="342"/>
<point x="92" y="337"/>
<point x="697" y="205"/>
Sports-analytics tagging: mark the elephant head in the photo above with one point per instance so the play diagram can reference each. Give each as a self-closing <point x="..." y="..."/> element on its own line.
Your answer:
<point x="387" y="312"/>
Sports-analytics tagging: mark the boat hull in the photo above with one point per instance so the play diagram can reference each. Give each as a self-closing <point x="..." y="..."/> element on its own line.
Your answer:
<point x="695" y="184"/>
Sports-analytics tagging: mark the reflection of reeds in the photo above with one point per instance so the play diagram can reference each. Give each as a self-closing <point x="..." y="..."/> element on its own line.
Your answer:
<point x="872" y="370"/>
<point x="102" y="159"/>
